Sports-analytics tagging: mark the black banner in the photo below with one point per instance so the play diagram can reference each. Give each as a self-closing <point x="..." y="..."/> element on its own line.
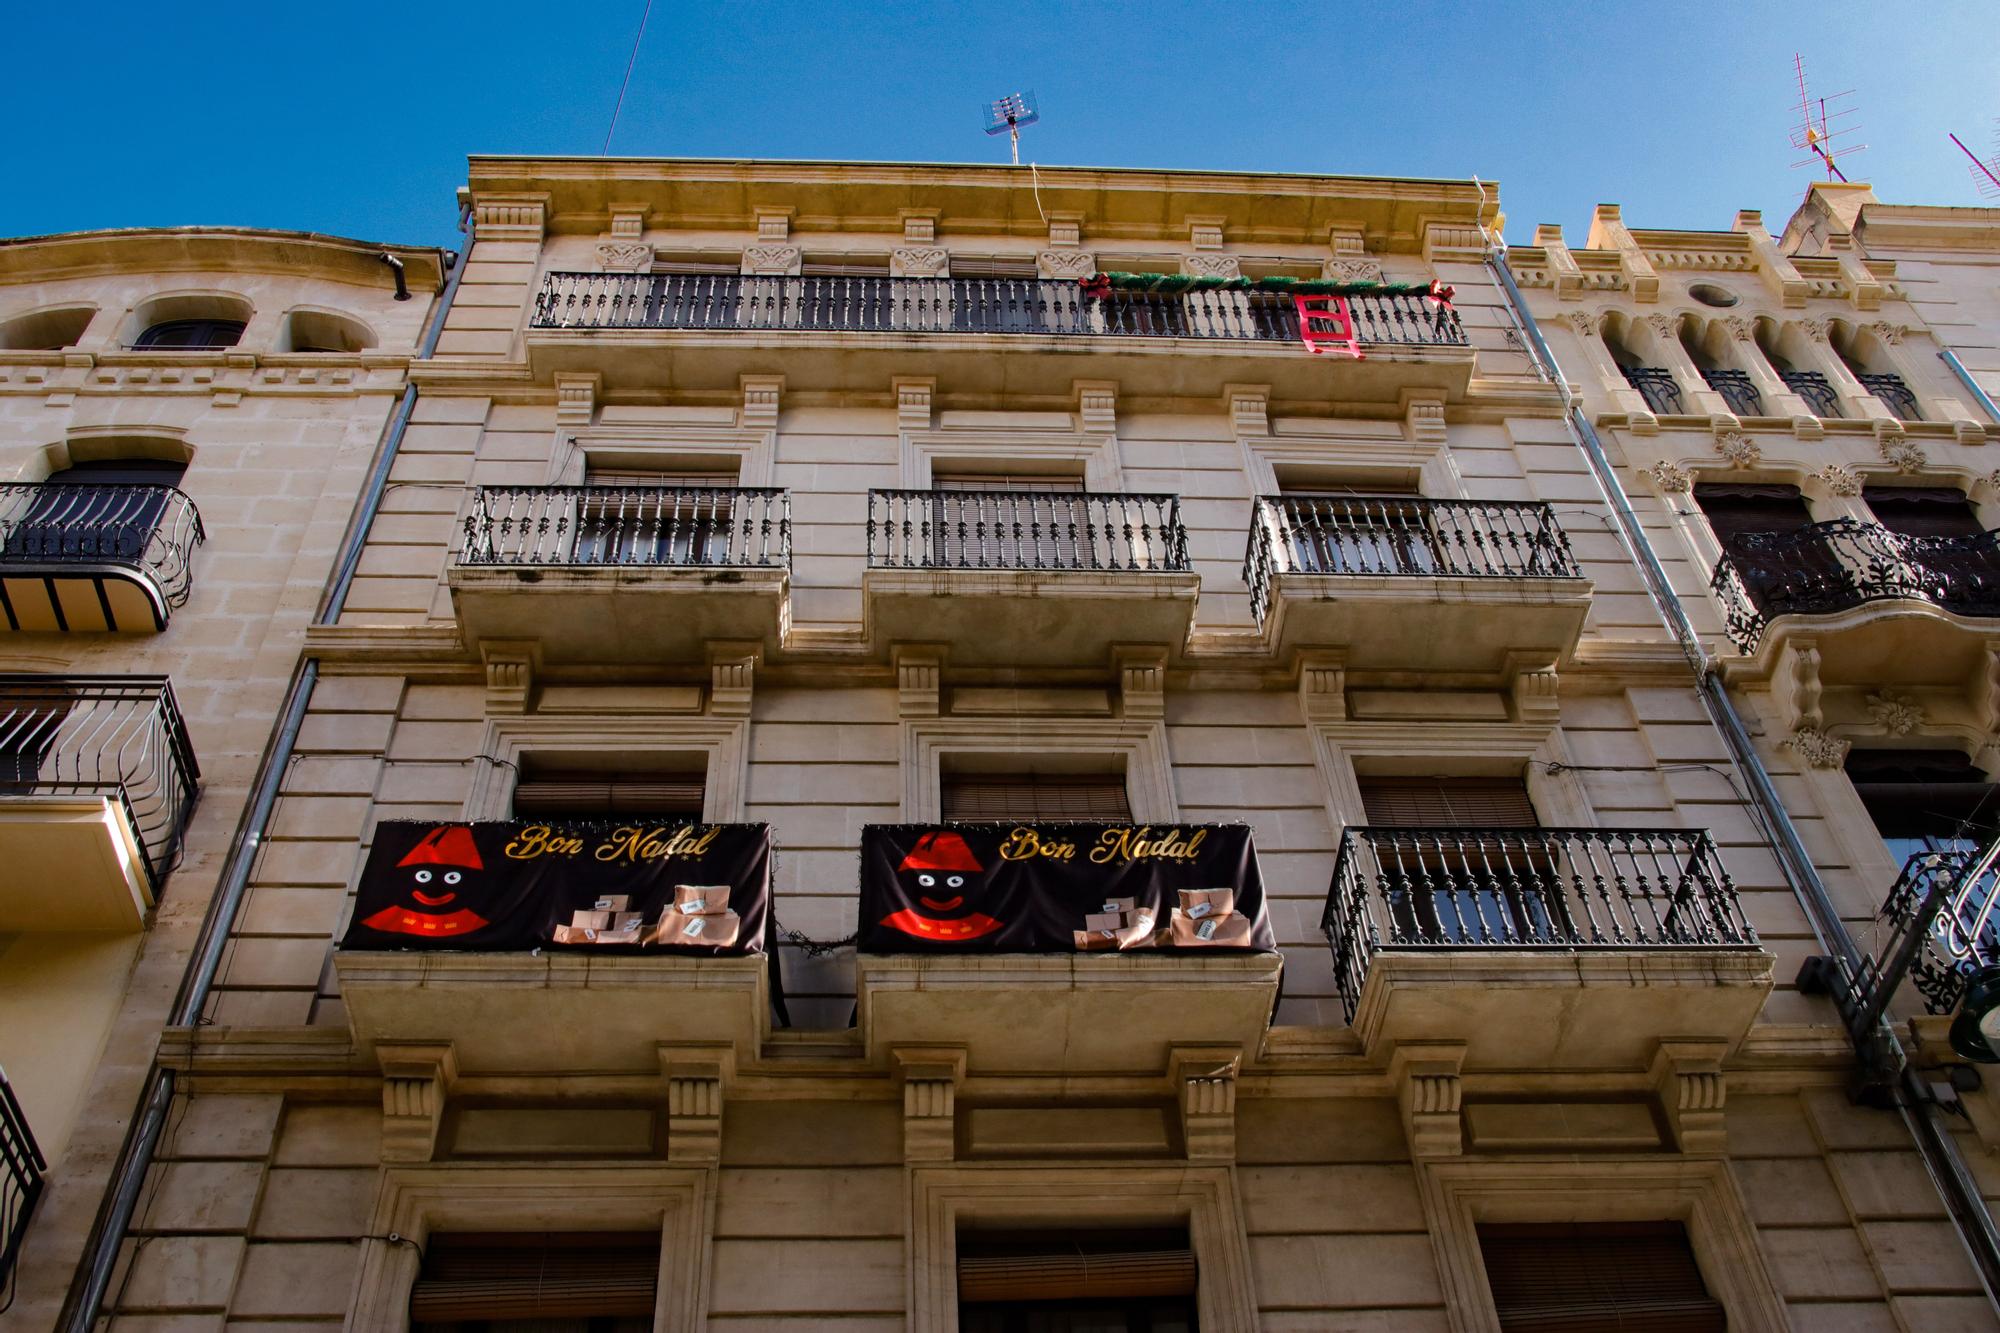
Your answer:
<point x="570" y="884"/>
<point x="1058" y="888"/>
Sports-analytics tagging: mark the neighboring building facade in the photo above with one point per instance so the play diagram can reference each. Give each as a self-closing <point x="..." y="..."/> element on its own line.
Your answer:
<point x="822" y="496"/>
<point x="185" y="419"/>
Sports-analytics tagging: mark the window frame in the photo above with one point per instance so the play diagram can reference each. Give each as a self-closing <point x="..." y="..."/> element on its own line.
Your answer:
<point x="1142" y="744"/>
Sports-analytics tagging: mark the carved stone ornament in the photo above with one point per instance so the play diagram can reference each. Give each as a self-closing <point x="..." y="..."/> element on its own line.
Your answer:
<point x="1672" y="478"/>
<point x="1738" y="448"/>
<point x="1816" y="330"/>
<point x="1839" y="480"/>
<point x="1211" y="266"/>
<point x="1663" y="325"/>
<point x="1741" y="329"/>
<point x="1993" y="479"/>
<point x="772" y="260"/>
<point x="625" y="256"/>
<point x="1352" y="270"/>
<point x="1817" y="748"/>
<point x="1895" y="712"/>
<point x="1586" y="322"/>
<point x="1066" y="263"/>
<point x="924" y="262"/>
<point x="1891" y="334"/>
<point x="1898" y="452"/>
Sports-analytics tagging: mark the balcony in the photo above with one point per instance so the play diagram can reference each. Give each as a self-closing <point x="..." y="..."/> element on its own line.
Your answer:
<point x="1738" y="390"/>
<point x="615" y="323"/>
<point x="97" y="780"/>
<point x="1027" y="578"/>
<point x="1401" y="583"/>
<point x="1820" y="396"/>
<point x="21" y="1179"/>
<point x="1658" y="387"/>
<point x="1883" y="607"/>
<point x="1541" y="948"/>
<point x="92" y="558"/>
<point x="624" y="573"/>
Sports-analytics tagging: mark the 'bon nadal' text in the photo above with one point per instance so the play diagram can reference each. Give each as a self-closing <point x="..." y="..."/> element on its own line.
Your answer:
<point x="1113" y="844"/>
<point x="625" y="844"/>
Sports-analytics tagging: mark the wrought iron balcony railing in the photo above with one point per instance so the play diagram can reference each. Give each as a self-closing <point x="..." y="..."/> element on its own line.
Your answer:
<point x="149" y="529"/>
<point x="600" y="526"/>
<point x="1412" y="889"/>
<point x="1401" y="535"/>
<point x="21" y="1178"/>
<point x="1738" y="390"/>
<point x="1833" y="566"/>
<point x="715" y="302"/>
<point x="1895" y="394"/>
<point x="1812" y="386"/>
<point x="119" y="737"/>
<point x="1942" y="911"/>
<point x="1063" y="531"/>
<point x="1658" y="387"/>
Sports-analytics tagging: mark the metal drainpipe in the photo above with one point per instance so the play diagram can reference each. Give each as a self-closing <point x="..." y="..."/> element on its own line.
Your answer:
<point x="1911" y="1099"/>
<point x="114" y="1213"/>
<point x="1950" y="358"/>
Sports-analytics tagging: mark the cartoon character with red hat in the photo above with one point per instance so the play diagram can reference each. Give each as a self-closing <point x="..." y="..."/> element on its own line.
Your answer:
<point x="437" y="866"/>
<point x="939" y="871"/>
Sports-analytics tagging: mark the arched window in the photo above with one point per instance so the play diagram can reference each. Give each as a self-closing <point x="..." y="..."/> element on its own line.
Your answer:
<point x="185" y="321"/>
<point x="1784" y="347"/>
<point x="1656" y="384"/>
<point x="1706" y="343"/>
<point x="323" y="331"/>
<point x="1868" y="361"/>
<point x="191" y="333"/>
<point x="45" y="330"/>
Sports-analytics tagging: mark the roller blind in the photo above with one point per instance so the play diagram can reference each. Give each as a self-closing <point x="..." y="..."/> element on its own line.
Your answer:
<point x="1597" y="1277"/>
<point x="1073" y="1277"/>
<point x="1924" y="511"/>
<point x="1447" y="802"/>
<point x="535" y="1275"/>
<point x="1049" y="797"/>
<point x="980" y="481"/>
<point x="1734" y="510"/>
<point x="555" y="792"/>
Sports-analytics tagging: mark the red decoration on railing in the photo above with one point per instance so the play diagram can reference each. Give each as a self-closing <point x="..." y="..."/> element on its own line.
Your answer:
<point x="1325" y="321"/>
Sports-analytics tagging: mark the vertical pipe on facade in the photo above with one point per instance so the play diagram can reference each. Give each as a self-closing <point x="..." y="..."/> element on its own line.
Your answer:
<point x="1935" y="1144"/>
<point x="142" y="1136"/>
<point x="1950" y="358"/>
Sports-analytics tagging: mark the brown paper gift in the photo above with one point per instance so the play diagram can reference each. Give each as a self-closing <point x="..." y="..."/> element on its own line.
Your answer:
<point x="614" y="902"/>
<point x="717" y="928"/>
<point x="588" y="935"/>
<point x="701" y="899"/>
<point x="1202" y="903"/>
<point x="1119" y="906"/>
<point x="1095" y="941"/>
<point x="1211" y="932"/>
<point x="1138" y="932"/>
<point x="591" y="920"/>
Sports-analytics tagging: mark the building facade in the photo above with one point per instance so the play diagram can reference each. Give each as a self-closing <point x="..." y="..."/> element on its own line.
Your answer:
<point x="188" y="415"/>
<point x="853" y="503"/>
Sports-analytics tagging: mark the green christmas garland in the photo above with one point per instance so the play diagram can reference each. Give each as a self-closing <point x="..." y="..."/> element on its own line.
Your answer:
<point x="1173" y="284"/>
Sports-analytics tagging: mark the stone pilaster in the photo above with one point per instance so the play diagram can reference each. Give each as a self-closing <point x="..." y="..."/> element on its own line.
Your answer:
<point x="931" y="1077"/>
<point x="1688" y="1077"/>
<point x="416" y="1079"/>
<point x="1428" y="1091"/>
<point x="696" y="1079"/>
<point x="1204" y="1080"/>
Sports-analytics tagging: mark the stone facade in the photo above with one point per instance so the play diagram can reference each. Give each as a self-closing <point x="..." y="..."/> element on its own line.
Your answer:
<point x="1331" y="1159"/>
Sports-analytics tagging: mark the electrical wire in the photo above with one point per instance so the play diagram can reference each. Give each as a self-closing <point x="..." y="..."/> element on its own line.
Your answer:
<point x="626" y="83"/>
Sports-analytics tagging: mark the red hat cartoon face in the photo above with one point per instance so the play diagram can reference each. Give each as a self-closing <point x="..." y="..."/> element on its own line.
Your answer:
<point x="938" y="875"/>
<point x="443" y="864"/>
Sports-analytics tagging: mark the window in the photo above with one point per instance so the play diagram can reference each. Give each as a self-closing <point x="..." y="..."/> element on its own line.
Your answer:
<point x="990" y="520"/>
<point x="115" y="517"/>
<point x="648" y="517"/>
<point x="1924" y="511"/>
<point x="1036" y="797"/>
<point x="1358" y="530"/>
<point x="1447" y="802"/>
<point x="1558" y="1277"/>
<point x="45" y="330"/>
<point x="1053" y="1281"/>
<point x="552" y="787"/>
<point x="536" y="1282"/>
<point x="1479" y="885"/>
<point x="1768" y="533"/>
<point x="323" y="331"/>
<point x="184" y="334"/>
<point x="1925" y="800"/>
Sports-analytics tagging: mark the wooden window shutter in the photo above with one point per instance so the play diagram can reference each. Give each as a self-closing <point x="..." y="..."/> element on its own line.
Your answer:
<point x="556" y="792"/>
<point x="1005" y="481"/>
<point x="593" y="476"/>
<point x="536" y="1275"/>
<point x="1447" y="802"/>
<point x="1045" y="797"/>
<point x="1073" y="1276"/>
<point x="1621" y="1277"/>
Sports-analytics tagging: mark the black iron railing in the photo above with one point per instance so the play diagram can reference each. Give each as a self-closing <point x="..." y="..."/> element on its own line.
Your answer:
<point x="1738" y="390"/>
<point x="1895" y="394"/>
<point x="149" y="529"/>
<point x="120" y="737"/>
<point x="1941" y="913"/>
<point x="593" y="526"/>
<point x="1832" y="566"/>
<point x="960" y="305"/>
<point x="21" y="1178"/>
<point x="1410" y="889"/>
<point x="1657" y="386"/>
<point x="1028" y="530"/>
<point x="1401" y="535"/>
<point x="1812" y="386"/>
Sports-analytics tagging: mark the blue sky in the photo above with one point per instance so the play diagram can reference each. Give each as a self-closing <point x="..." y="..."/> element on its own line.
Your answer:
<point x="357" y="120"/>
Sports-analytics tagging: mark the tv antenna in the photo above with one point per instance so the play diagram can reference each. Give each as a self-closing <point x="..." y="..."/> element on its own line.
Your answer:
<point x="1985" y="170"/>
<point x="1820" y="129"/>
<point x="1008" y="115"/>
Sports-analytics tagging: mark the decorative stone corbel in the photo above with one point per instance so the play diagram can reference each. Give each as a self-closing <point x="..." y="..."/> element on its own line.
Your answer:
<point x="1536" y="689"/>
<point x="1566" y="277"/>
<point x="919" y="225"/>
<point x="697" y="1079"/>
<point x="1323" y="687"/>
<point x="760" y="401"/>
<point x="1898" y="451"/>
<point x="931" y="1076"/>
<point x="1608" y="232"/>
<point x="1688" y="1077"/>
<point x="732" y="670"/>
<point x="511" y="666"/>
<point x="510" y="217"/>
<point x="1738" y="449"/>
<point x="576" y="399"/>
<point x="1983" y="691"/>
<point x="1065" y="229"/>
<point x="914" y="396"/>
<point x="772" y="261"/>
<point x="774" y="225"/>
<point x="1423" y="417"/>
<point x="1426" y="1075"/>
<point x="1818" y="749"/>
<point x="1205" y="233"/>
<point x="1204" y="1079"/>
<point x="416" y="1079"/>
<point x="616" y="256"/>
<point x="1066" y="264"/>
<point x="919" y="672"/>
<point x="1142" y="681"/>
<point x="1096" y="406"/>
<point x="1453" y="241"/>
<point x="1248" y="407"/>
<point x="1795" y="685"/>
<point x="919" y="261"/>
<point x="1209" y="264"/>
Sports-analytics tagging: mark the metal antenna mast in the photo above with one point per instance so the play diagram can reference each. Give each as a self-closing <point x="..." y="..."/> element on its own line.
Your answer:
<point x="1008" y="115"/>
<point x="1818" y="129"/>
<point x="1985" y="171"/>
